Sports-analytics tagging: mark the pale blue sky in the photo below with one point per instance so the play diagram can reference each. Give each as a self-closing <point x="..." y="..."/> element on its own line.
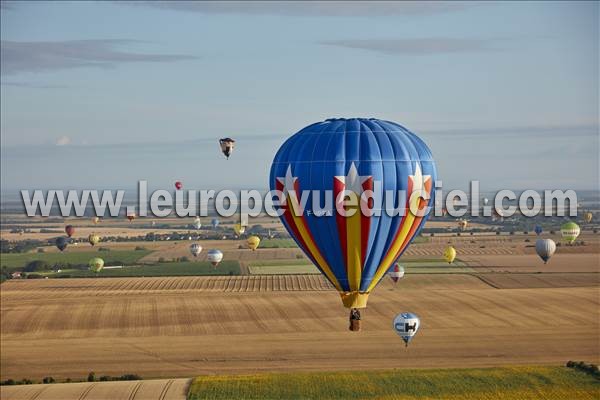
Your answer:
<point x="506" y="93"/>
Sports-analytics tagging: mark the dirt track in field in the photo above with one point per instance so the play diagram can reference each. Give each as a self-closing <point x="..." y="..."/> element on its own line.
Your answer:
<point x="157" y="389"/>
<point x="181" y="327"/>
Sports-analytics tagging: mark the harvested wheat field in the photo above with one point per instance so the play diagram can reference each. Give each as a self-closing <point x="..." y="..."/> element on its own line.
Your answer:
<point x="561" y="262"/>
<point x="157" y="389"/>
<point x="181" y="327"/>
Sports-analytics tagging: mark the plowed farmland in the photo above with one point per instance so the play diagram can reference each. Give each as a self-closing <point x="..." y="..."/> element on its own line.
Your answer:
<point x="185" y="326"/>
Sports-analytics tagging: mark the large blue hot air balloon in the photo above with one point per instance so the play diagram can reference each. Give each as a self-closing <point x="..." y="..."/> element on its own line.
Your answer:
<point x="353" y="155"/>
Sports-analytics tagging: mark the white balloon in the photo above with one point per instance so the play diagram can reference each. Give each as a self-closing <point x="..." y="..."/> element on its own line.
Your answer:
<point x="195" y="249"/>
<point x="396" y="273"/>
<point x="214" y="256"/>
<point x="406" y="326"/>
<point x="545" y="248"/>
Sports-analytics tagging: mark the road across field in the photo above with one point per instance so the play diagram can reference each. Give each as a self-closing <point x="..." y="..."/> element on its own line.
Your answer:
<point x="158" y="389"/>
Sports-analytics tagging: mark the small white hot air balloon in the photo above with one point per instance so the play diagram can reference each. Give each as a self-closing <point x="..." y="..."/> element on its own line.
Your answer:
<point x="195" y="249"/>
<point x="396" y="273"/>
<point x="214" y="256"/>
<point x="197" y="223"/>
<point x="545" y="248"/>
<point x="406" y="326"/>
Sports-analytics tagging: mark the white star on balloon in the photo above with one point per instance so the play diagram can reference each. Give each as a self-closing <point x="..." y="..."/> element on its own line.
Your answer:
<point x="418" y="181"/>
<point x="353" y="181"/>
<point x="288" y="182"/>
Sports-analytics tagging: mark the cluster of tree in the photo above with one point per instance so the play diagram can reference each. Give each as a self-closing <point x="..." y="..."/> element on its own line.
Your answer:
<point x="574" y="244"/>
<point x="32" y="276"/>
<point x="582" y="366"/>
<point x="56" y="231"/>
<point x="37" y="265"/>
<point x="125" y="377"/>
<point x="44" y="266"/>
<point x="22" y="246"/>
<point x="23" y="381"/>
<point x="5" y="274"/>
<point x="175" y="259"/>
<point x="90" y="378"/>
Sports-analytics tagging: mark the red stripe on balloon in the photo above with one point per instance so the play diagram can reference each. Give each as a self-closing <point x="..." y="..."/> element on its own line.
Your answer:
<point x="365" y="221"/>
<point x="339" y="187"/>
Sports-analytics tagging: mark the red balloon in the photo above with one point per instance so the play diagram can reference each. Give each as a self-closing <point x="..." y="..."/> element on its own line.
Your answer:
<point x="69" y="230"/>
<point x="178" y="185"/>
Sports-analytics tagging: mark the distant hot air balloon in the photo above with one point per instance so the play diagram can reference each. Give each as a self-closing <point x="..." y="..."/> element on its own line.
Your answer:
<point x="95" y="220"/>
<point x="227" y="145"/>
<point x="587" y="217"/>
<point x="570" y="231"/>
<point x="545" y="248"/>
<point x="396" y="273"/>
<point x="406" y="326"/>
<point x="214" y="256"/>
<point x="485" y="201"/>
<point x="70" y="230"/>
<point x="197" y="223"/>
<point x="62" y="243"/>
<point x="347" y="156"/>
<point x="449" y="254"/>
<point x="253" y="242"/>
<point x="195" y="249"/>
<point x="178" y="185"/>
<point x="93" y="239"/>
<point x="96" y="264"/>
<point x="462" y="224"/>
<point x="130" y="216"/>
<point x="538" y="230"/>
<point x="214" y="222"/>
<point x="239" y="229"/>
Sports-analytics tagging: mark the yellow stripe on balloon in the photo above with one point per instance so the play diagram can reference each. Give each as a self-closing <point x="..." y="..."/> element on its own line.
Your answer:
<point x="396" y="245"/>
<point x="312" y="248"/>
<point x="353" y="247"/>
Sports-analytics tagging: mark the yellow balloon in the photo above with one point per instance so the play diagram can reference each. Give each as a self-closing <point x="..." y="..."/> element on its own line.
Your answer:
<point x="588" y="217"/>
<point x="253" y="242"/>
<point x="93" y="239"/>
<point x="95" y="220"/>
<point x="449" y="254"/>
<point x="239" y="229"/>
<point x="96" y="264"/>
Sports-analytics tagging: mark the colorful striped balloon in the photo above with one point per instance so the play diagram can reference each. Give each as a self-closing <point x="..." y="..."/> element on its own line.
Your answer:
<point x="349" y="157"/>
